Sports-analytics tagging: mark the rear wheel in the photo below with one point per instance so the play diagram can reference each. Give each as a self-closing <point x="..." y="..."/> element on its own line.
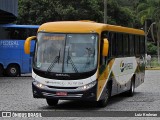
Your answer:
<point x="52" y="102"/>
<point x="13" y="70"/>
<point x="1" y="70"/>
<point x="130" y="92"/>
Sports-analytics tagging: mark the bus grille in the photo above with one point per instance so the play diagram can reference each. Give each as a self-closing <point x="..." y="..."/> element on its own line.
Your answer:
<point x="62" y="87"/>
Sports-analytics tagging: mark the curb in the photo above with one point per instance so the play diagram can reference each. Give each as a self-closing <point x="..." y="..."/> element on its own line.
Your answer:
<point x="153" y="68"/>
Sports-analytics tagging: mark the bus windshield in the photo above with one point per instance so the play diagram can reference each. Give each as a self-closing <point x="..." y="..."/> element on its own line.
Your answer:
<point x="66" y="53"/>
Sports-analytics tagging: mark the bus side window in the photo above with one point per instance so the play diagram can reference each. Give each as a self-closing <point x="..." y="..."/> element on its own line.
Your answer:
<point x="125" y="44"/>
<point x="4" y="33"/>
<point x="131" y="45"/>
<point x="137" y="45"/>
<point x="142" y="43"/>
<point x="109" y="36"/>
<point x="113" y="45"/>
<point x="120" y="44"/>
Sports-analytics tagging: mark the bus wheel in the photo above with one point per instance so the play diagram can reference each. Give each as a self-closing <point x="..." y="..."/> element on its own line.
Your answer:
<point x="52" y="102"/>
<point x="1" y="70"/>
<point x="130" y="92"/>
<point x="13" y="70"/>
<point x="104" y="102"/>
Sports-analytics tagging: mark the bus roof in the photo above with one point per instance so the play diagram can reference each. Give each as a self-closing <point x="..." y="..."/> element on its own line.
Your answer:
<point x="85" y="27"/>
<point x="19" y="26"/>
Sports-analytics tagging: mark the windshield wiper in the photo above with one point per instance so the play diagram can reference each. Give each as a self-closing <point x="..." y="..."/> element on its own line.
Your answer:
<point x="56" y="60"/>
<point x="72" y="63"/>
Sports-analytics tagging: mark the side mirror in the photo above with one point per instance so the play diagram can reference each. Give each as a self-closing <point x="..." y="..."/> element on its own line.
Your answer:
<point x="105" y="47"/>
<point x="27" y="44"/>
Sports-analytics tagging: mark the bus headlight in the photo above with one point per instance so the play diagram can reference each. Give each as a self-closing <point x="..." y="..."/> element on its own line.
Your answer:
<point x="38" y="84"/>
<point x="88" y="86"/>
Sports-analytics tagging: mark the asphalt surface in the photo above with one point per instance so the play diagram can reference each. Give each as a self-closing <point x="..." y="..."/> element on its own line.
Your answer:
<point x="16" y="95"/>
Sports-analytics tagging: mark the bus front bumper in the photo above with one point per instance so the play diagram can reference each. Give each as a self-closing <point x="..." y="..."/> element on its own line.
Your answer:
<point x="64" y="93"/>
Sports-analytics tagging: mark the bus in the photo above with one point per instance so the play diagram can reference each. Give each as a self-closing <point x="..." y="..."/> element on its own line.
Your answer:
<point x="85" y="60"/>
<point x="13" y="60"/>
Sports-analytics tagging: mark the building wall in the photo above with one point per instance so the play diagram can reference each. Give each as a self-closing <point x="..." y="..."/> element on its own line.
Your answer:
<point x="8" y="11"/>
<point x="10" y="6"/>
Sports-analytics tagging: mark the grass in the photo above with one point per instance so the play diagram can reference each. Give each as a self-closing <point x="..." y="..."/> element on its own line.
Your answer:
<point x="154" y="64"/>
<point x="152" y="68"/>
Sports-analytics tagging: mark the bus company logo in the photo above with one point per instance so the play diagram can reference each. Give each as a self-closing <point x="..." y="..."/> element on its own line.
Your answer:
<point x="9" y="43"/>
<point x="62" y="75"/>
<point x="122" y="66"/>
<point x="125" y="66"/>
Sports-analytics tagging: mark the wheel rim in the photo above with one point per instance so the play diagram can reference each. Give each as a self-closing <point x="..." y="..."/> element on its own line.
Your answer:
<point x="13" y="70"/>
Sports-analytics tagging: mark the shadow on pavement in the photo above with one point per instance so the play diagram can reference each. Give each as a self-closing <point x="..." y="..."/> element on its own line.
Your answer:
<point x="85" y="105"/>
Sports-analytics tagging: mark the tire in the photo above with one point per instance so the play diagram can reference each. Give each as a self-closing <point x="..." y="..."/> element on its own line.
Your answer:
<point x="13" y="70"/>
<point x="130" y="92"/>
<point x="104" y="102"/>
<point x="52" y="102"/>
<point x="1" y="70"/>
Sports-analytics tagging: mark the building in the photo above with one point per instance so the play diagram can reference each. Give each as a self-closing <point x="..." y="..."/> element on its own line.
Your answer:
<point x="8" y="11"/>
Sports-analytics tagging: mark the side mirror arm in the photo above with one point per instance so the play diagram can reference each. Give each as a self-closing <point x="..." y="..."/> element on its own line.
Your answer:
<point x="27" y="44"/>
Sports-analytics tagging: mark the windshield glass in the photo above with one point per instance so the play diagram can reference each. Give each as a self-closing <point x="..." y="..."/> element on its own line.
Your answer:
<point x="66" y="53"/>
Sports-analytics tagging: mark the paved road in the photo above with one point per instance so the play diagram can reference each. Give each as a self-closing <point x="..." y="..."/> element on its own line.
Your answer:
<point x="16" y="95"/>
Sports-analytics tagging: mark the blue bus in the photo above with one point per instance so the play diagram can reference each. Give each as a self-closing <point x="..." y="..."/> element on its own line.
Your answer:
<point x="13" y="60"/>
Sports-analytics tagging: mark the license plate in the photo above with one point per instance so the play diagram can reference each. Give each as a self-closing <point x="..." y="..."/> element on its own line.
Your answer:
<point x="61" y="93"/>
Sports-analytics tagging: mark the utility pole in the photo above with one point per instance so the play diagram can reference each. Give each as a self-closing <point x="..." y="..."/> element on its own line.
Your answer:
<point x="146" y="33"/>
<point x="105" y="11"/>
<point x="158" y="48"/>
<point x="158" y="40"/>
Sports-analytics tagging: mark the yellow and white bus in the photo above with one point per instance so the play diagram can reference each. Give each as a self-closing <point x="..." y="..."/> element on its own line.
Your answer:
<point x="84" y="60"/>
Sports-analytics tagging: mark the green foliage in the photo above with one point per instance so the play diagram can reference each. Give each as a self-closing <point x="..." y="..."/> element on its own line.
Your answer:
<point x="41" y="11"/>
<point x="119" y="15"/>
<point x="151" y="49"/>
<point x="149" y="9"/>
<point x="121" y="12"/>
<point x="130" y="13"/>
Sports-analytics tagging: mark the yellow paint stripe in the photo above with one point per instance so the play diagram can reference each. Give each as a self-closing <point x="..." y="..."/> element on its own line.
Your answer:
<point x="102" y="80"/>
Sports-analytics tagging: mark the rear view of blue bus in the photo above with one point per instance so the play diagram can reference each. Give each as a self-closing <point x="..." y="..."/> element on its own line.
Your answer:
<point x="13" y="60"/>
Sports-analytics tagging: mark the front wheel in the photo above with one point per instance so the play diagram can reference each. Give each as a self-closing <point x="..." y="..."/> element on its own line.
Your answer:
<point x="104" y="102"/>
<point x="51" y="102"/>
<point x="13" y="70"/>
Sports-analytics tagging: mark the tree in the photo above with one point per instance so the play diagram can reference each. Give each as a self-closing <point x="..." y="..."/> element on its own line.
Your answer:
<point x="151" y="48"/>
<point x="132" y="6"/>
<point x="38" y="11"/>
<point x="41" y="11"/>
<point x="118" y="15"/>
<point x="151" y="9"/>
<point x="81" y="10"/>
